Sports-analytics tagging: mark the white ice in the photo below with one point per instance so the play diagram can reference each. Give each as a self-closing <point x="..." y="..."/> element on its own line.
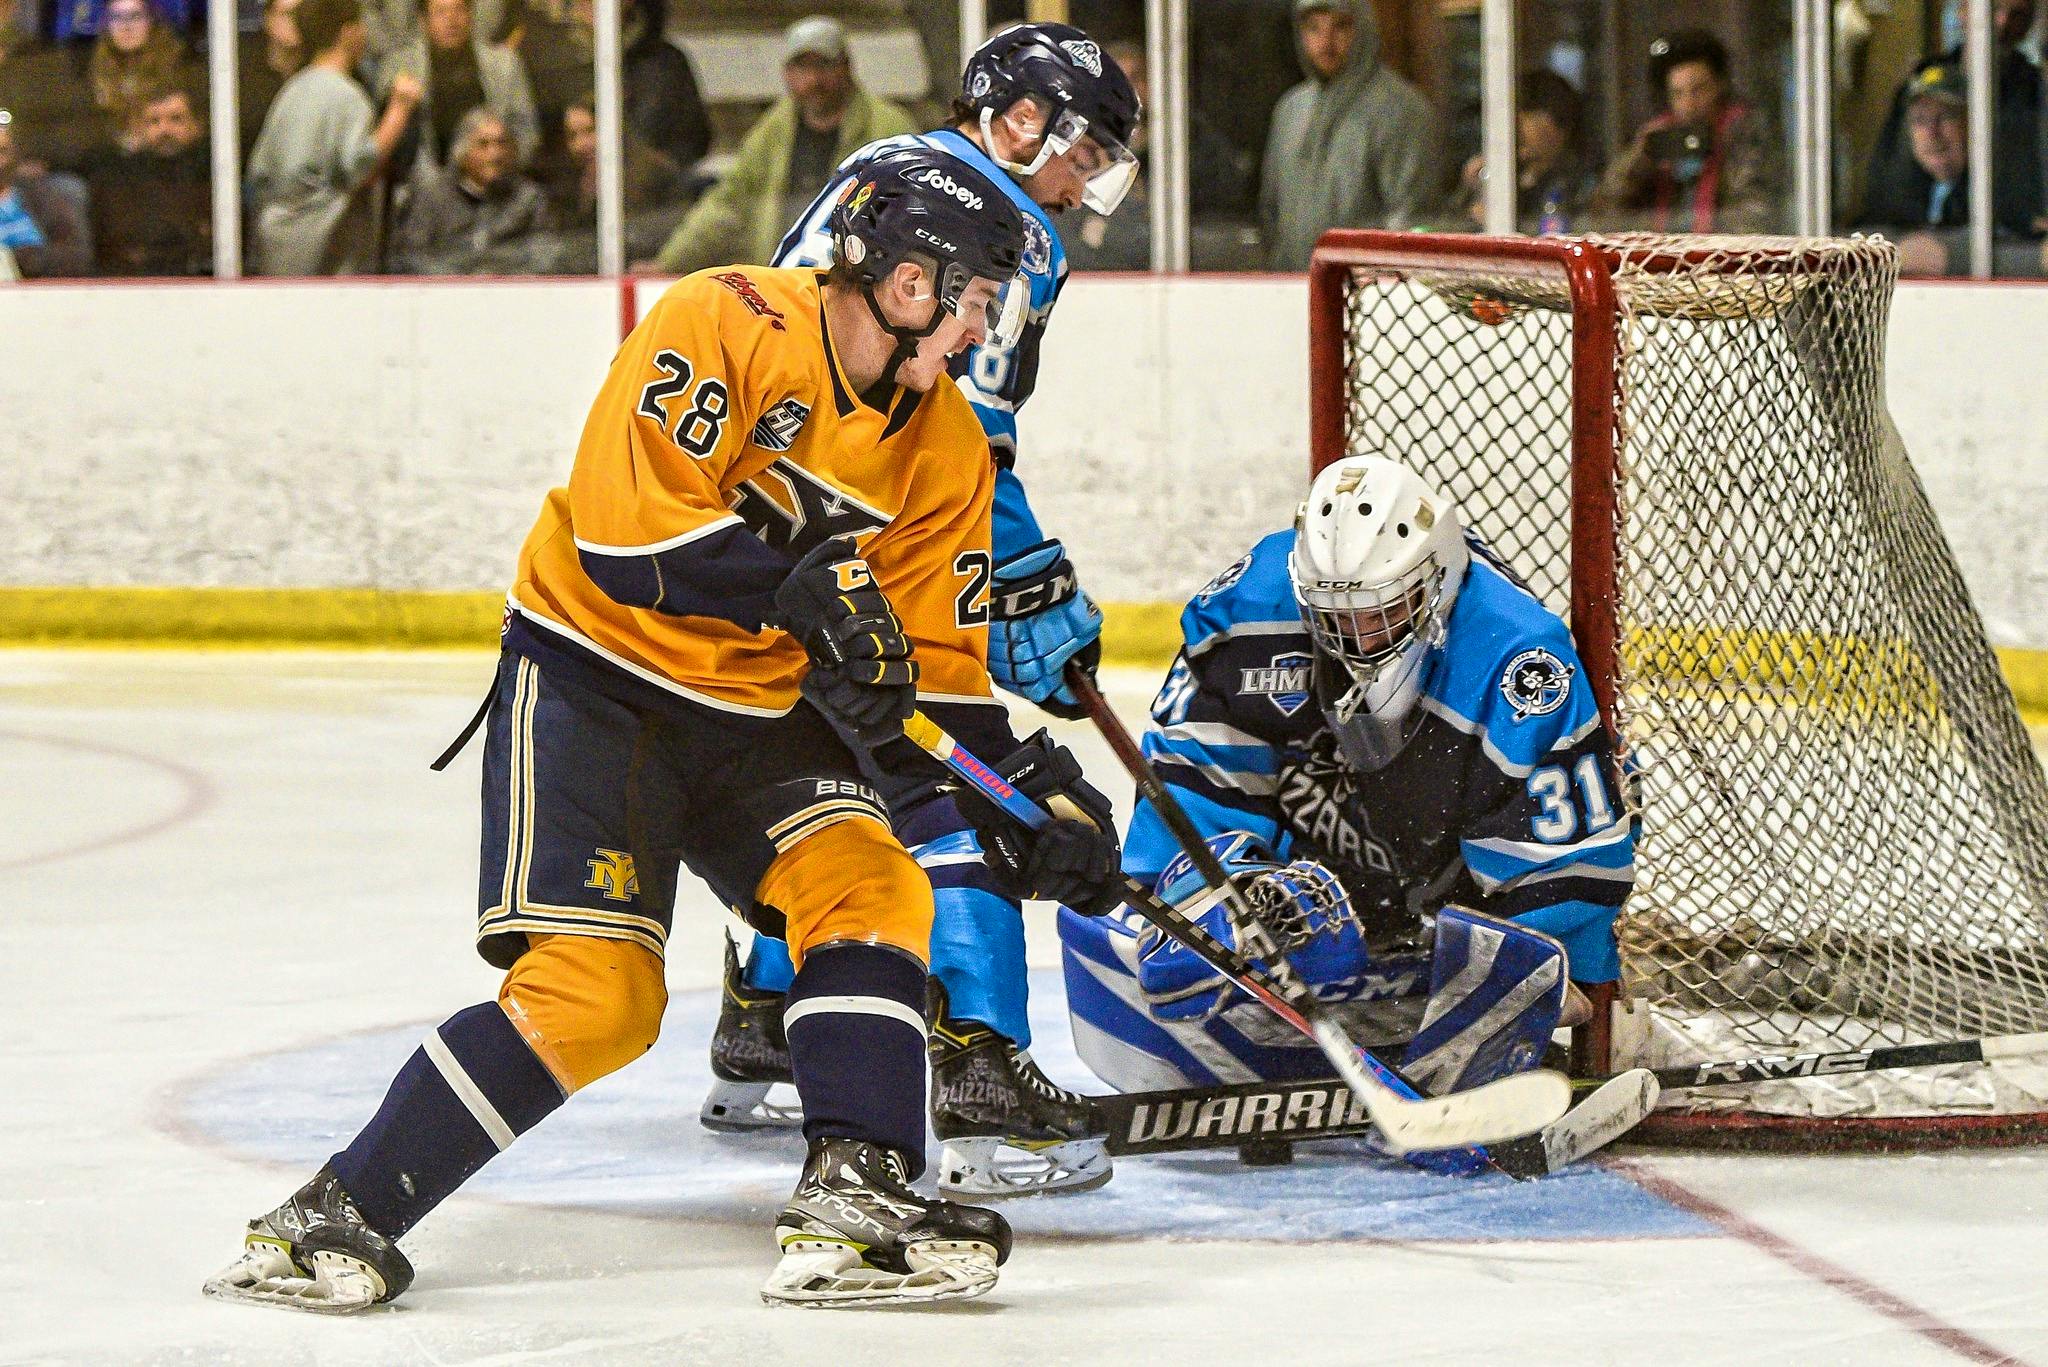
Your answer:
<point x="232" y="897"/>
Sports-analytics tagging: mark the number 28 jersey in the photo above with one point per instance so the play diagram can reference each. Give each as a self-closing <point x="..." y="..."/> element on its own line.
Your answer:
<point x="725" y="443"/>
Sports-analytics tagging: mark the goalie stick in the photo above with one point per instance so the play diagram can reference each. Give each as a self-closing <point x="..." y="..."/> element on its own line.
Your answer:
<point x="1324" y="1108"/>
<point x="1503" y="1109"/>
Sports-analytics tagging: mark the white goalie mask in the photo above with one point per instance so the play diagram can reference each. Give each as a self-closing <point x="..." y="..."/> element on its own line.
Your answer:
<point x="1378" y="559"/>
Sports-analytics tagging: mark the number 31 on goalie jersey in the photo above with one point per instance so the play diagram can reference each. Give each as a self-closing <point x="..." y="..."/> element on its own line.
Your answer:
<point x="1559" y="819"/>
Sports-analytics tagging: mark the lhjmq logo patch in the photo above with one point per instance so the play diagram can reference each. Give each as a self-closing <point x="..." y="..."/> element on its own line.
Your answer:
<point x="1283" y="683"/>
<point x="777" y="429"/>
<point x="1536" y="683"/>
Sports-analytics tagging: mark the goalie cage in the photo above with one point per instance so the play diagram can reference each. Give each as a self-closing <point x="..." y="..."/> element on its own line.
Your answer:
<point x="1683" y="444"/>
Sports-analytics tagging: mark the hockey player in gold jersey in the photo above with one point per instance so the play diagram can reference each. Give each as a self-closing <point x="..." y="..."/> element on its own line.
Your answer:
<point x="773" y="545"/>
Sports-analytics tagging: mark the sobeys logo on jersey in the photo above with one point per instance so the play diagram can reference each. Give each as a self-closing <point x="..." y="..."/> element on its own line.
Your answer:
<point x="937" y="179"/>
<point x="1232" y="572"/>
<point x="612" y="872"/>
<point x="1536" y="683"/>
<point x="1086" y="55"/>
<point x="1037" y="247"/>
<point x="793" y="510"/>
<point x="1283" y="682"/>
<point x="777" y="429"/>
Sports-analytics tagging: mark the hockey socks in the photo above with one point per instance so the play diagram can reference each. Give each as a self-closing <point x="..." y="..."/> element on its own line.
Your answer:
<point x="469" y="1090"/>
<point x="856" y="1030"/>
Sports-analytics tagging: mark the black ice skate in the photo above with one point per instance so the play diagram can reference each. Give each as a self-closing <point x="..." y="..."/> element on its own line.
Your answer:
<point x="1006" y="1129"/>
<point x="749" y="1056"/>
<point x="315" y="1252"/>
<point x="856" y="1234"/>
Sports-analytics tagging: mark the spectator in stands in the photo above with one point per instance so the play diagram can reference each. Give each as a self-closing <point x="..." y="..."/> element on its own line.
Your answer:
<point x="42" y="231"/>
<point x="46" y="87"/>
<point x="135" y="55"/>
<point x="478" y="213"/>
<point x="394" y="25"/>
<point x="262" y="67"/>
<point x="663" y="104"/>
<point x="1708" y="164"/>
<point x="321" y="150"/>
<point x="554" y="40"/>
<point x="1352" y="146"/>
<point x="459" y="71"/>
<point x="653" y="192"/>
<point x="1925" y="205"/>
<point x="2016" y="162"/>
<point x="152" y="208"/>
<point x="788" y="156"/>
<point x="1552" y="183"/>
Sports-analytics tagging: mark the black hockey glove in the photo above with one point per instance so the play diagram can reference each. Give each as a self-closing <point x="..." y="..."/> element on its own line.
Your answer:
<point x="1075" y="860"/>
<point x="862" y="675"/>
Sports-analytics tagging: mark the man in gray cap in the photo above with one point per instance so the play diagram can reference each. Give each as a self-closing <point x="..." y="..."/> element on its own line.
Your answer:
<point x="1353" y="146"/>
<point x="788" y="155"/>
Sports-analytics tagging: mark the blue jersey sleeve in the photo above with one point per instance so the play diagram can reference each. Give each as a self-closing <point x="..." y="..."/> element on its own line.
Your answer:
<point x="1207" y="738"/>
<point x="1550" y="842"/>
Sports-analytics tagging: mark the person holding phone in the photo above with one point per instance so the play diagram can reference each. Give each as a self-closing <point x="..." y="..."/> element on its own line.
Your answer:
<point x="1708" y="164"/>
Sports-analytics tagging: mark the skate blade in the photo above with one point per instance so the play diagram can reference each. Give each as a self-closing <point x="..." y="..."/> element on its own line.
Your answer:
<point x="817" y="1276"/>
<point x="993" y="1168"/>
<point x="744" y="1108"/>
<point x="339" y="1285"/>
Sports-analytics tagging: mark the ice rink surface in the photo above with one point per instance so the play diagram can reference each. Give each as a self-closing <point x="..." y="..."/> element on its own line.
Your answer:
<point x="232" y="898"/>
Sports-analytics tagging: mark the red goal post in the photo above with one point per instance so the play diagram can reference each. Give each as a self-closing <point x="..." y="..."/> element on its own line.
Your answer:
<point x="1682" y="443"/>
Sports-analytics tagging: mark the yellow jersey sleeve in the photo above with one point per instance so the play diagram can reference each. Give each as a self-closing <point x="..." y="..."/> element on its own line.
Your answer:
<point x="663" y="432"/>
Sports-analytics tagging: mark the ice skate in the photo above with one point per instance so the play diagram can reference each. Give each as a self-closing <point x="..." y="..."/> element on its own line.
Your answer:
<point x="314" y="1253"/>
<point x="856" y="1234"/>
<point x="1005" y="1128"/>
<point x="749" y="1058"/>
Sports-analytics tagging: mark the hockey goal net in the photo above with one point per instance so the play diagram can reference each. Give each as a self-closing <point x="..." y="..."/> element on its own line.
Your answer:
<point x="1682" y="444"/>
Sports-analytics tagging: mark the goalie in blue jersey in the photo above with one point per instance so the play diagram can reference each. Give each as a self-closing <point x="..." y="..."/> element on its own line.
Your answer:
<point x="1392" y="745"/>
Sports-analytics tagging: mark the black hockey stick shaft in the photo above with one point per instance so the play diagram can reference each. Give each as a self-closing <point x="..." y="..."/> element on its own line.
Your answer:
<point x="1792" y="1066"/>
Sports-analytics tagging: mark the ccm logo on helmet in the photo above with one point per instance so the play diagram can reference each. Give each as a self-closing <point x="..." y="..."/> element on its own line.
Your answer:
<point x="939" y="180"/>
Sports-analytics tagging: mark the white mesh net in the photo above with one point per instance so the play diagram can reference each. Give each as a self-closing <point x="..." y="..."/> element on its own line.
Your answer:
<point x="1844" y="829"/>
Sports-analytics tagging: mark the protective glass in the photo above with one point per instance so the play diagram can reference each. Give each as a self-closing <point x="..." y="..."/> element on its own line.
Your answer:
<point x="1003" y="316"/>
<point x="1107" y="185"/>
<point x="1104" y="187"/>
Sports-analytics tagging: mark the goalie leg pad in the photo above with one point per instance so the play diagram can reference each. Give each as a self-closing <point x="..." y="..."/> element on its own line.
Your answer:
<point x="1496" y="992"/>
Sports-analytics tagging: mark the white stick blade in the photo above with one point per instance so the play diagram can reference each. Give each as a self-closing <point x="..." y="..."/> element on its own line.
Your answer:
<point x="1506" y="1108"/>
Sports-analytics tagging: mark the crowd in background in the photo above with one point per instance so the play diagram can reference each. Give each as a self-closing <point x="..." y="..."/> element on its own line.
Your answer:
<point x="459" y="136"/>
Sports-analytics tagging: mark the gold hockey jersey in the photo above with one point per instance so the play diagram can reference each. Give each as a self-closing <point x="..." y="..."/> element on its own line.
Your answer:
<point x="725" y="443"/>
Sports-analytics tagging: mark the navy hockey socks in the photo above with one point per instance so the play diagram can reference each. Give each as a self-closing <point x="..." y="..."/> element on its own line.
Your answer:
<point x="856" y="1029"/>
<point x="469" y="1090"/>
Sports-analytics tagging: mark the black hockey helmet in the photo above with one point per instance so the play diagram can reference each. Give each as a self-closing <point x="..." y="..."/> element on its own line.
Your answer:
<point x="922" y="205"/>
<point x="1088" y="93"/>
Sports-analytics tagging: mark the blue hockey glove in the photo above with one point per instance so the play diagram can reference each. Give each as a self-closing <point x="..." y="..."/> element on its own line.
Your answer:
<point x="863" y="673"/>
<point x="1038" y="620"/>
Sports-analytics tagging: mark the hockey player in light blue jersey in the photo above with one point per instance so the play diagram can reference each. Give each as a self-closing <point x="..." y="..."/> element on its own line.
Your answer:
<point x="1394" y="747"/>
<point x="1049" y="116"/>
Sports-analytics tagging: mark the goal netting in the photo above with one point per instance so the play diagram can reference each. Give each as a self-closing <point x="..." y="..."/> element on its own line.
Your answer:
<point x="1683" y="444"/>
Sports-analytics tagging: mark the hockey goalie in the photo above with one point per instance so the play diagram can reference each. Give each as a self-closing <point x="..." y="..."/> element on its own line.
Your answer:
<point x="1390" y="744"/>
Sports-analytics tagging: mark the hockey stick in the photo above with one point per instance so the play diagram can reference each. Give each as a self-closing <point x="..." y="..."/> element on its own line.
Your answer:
<point x="1786" y="1067"/>
<point x="1517" y="1105"/>
<point x="1323" y="1108"/>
